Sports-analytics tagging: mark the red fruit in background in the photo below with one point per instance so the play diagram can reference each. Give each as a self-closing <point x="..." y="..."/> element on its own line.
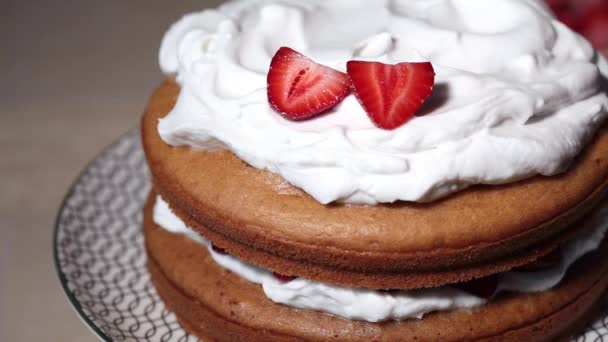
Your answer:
<point x="299" y="88"/>
<point x="570" y="19"/>
<point x="558" y="6"/>
<point x="595" y="26"/>
<point x="588" y="17"/>
<point x="391" y="94"/>
<point x="566" y="13"/>
<point x="581" y="7"/>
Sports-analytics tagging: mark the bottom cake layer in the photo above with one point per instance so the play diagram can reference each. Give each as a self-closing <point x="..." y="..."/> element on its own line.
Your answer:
<point x="215" y="304"/>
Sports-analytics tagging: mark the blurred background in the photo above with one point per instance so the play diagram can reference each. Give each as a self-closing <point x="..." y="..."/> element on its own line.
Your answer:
<point x="75" y="75"/>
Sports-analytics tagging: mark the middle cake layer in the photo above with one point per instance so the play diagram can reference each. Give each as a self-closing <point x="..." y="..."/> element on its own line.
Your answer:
<point x="373" y="305"/>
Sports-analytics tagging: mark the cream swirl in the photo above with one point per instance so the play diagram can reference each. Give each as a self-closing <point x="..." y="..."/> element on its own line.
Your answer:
<point x="517" y="94"/>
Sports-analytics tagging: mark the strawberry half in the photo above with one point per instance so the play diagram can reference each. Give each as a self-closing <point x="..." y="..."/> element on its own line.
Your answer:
<point x="299" y="88"/>
<point x="391" y="94"/>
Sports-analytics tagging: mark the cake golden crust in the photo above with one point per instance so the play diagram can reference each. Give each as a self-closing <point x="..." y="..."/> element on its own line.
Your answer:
<point x="480" y="231"/>
<point x="215" y="304"/>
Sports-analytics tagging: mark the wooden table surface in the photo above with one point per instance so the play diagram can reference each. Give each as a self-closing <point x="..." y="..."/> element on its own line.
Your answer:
<point x="75" y="76"/>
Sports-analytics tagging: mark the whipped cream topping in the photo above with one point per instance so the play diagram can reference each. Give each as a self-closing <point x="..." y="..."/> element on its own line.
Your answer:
<point x="374" y="306"/>
<point x="517" y="94"/>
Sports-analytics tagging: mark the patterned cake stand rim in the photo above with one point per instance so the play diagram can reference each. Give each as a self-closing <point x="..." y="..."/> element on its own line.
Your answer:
<point x="76" y="306"/>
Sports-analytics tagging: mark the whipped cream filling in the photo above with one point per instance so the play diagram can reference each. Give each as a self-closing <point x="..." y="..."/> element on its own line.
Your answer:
<point x="375" y="306"/>
<point x="517" y="93"/>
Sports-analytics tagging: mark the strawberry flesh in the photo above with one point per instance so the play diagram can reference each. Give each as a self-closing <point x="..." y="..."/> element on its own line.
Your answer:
<point x="391" y="94"/>
<point x="299" y="88"/>
<point x="283" y="278"/>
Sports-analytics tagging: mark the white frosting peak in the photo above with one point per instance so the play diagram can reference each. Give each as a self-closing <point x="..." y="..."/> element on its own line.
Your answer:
<point x="517" y="93"/>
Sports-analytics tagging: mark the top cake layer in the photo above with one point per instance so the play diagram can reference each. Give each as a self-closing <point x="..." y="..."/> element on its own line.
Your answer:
<point x="517" y="94"/>
<point x="259" y="218"/>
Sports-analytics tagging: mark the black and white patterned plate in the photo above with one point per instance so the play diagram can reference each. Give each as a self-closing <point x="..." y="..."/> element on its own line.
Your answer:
<point x="100" y="257"/>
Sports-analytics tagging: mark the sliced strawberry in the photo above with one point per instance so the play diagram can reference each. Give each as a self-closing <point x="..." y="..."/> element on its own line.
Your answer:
<point x="482" y="287"/>
<point x="391" y="94"/>
<point x="299" y="88"/>
<point x="283" y="278"/>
